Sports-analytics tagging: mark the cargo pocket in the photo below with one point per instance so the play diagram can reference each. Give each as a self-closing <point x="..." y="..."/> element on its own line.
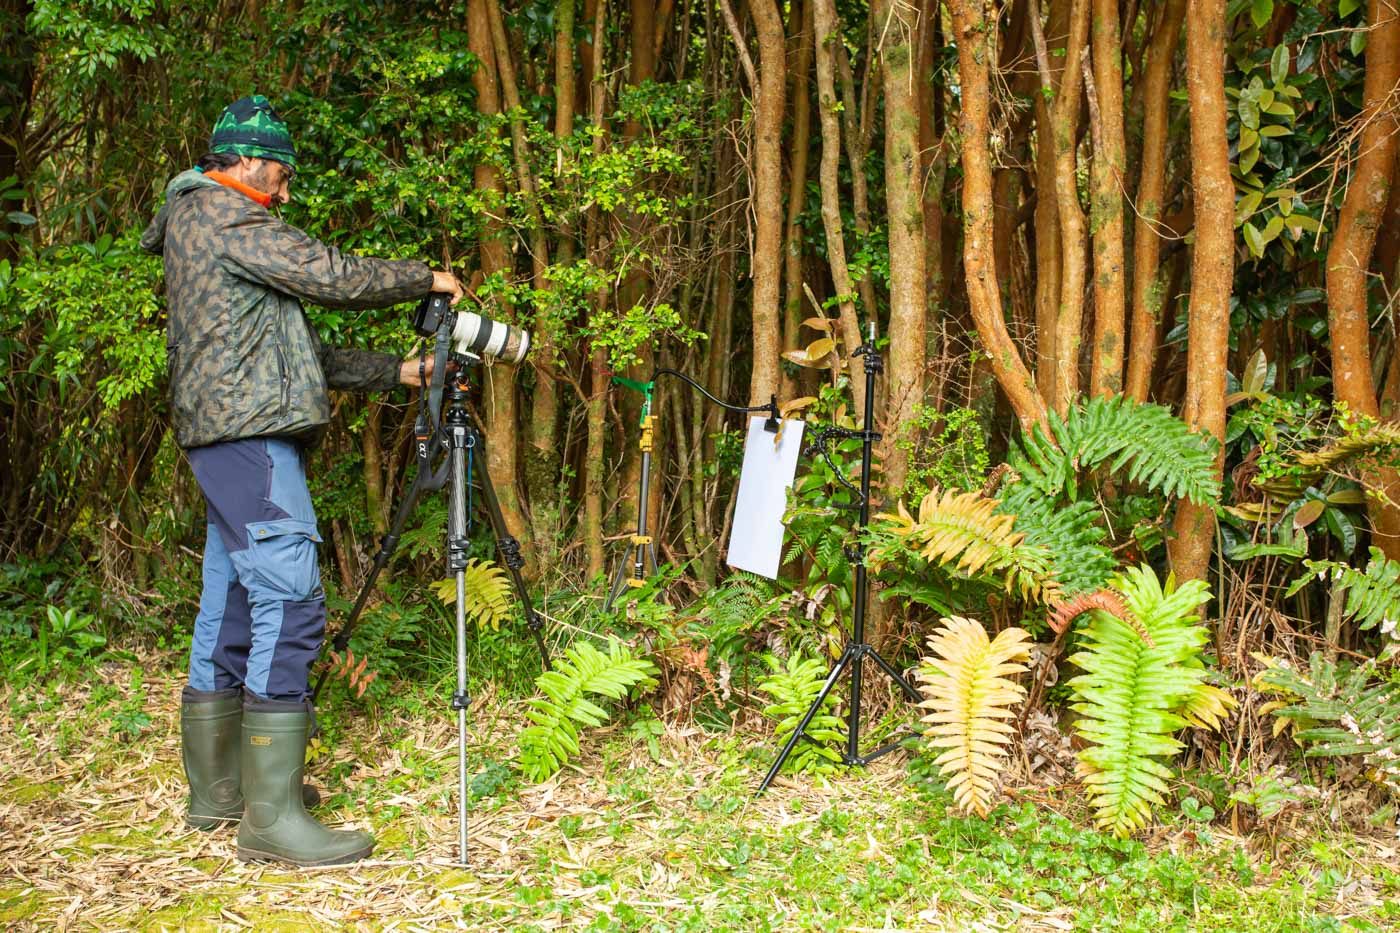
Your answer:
<point x="282" y="555"/>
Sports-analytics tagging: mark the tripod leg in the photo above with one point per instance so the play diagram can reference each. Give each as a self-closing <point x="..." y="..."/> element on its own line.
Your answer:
<point x="807" y="717"/>
<point x="510" y="553"/>
<point x="894" y="675"/>
<point x="619" y="582"/>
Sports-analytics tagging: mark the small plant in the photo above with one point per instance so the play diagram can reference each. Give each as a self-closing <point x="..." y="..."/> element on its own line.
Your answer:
<point x="488" y="593"/>
<point x="793" y="686"/>
<point x="583" y="672"/>
<point x="1373" y="595"/>
<point x="969" y="697"/>
<point x="66" y="637"/>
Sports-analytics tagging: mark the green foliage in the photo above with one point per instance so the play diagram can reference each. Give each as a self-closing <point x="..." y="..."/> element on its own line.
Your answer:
<point x="1373" y="594"/>
<point x="1069" y="534"/>
<point x="65" y="640"/>
<point x="947" y="450"/>
<point x="488" y="593"/>
<point x="1136" y="692"/>
<point x="793" y="686"/>
<point x="1157" y="449"/>
<point x="564" y="705"/>
<point x="1338" y="709"/>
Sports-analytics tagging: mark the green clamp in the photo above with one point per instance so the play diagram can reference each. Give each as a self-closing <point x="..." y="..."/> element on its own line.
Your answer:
<point x="645" y="388"/>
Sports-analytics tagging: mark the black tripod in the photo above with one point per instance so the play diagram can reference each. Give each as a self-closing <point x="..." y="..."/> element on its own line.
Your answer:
<point x="856" y="650"/>
<point x="462" y="440"/>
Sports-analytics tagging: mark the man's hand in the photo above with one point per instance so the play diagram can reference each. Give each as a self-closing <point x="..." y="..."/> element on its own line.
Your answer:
<point x="408" y="370"/>
<point x="447" y="283"/>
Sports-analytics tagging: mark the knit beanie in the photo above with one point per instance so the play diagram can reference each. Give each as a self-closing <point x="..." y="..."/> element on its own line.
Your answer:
<point x="250" y="127"/>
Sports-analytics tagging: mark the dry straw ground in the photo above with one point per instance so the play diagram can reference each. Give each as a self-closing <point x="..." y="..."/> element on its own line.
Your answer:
<point x="91" y="837"/>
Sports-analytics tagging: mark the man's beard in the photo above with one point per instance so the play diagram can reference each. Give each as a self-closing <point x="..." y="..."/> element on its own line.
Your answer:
<point x="261" y="179"/>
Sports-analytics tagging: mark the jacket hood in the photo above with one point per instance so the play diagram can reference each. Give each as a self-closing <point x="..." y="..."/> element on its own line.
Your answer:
<point x="153" y="240"/>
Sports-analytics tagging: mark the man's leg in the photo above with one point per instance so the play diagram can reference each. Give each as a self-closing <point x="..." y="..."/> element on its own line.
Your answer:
<point x="223" y="628"/>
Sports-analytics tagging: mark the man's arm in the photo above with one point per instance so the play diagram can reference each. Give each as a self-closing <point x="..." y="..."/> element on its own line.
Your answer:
<point x="264" y="249"/>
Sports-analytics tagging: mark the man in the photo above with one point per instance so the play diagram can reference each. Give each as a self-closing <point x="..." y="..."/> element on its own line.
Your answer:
<point x="248" y="389"/>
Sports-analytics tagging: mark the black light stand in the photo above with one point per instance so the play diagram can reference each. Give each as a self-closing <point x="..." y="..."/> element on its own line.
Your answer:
<point x="462" y="440"/>
<point x="641" y="548"/>
<point x="856" y="650"/>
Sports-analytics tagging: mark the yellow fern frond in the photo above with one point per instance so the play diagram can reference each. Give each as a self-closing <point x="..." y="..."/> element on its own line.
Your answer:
<point x="1208" y="706"/>
<point x="488" y="593"/>
<point x="969" y="697"/>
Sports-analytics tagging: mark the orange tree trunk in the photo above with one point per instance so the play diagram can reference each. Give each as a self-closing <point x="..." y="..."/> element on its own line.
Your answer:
<point x="1349" y="258"/>
<point x="1212" y="267"/>
<point x="1073" y="231"/>
<point x="1106" y="213"/>
<point x="768" y="199"/>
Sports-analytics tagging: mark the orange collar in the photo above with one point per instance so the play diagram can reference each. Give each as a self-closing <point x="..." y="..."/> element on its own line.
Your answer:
<point x="228" y="181"/>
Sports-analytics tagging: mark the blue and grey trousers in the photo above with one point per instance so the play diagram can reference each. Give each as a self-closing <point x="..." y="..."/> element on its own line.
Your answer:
<point x="262" y="613"/>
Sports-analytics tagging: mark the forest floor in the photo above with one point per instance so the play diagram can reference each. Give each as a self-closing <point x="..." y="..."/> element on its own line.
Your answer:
<point x="633" y="836"/>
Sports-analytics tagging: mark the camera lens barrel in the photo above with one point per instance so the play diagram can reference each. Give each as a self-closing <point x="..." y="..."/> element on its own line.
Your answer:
<point x="484" y="337"/>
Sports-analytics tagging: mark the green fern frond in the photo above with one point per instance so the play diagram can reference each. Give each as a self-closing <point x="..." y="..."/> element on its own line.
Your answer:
<point x="1070" y="534"/>
<point x="564" y="707"/>
<point x="1156" y="449"/>
<point x="965" y="684"/>
<point x="793" y="687"/>
<point x="488" y="593"/>
<point x="1373" y="594"/>
<point x="1336" y="711"/>
<point x="963" y="530"/>
<point x="1135" y="694"/>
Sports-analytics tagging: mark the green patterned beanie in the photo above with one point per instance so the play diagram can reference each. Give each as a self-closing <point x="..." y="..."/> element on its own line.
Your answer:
<point x="250" y="127"/>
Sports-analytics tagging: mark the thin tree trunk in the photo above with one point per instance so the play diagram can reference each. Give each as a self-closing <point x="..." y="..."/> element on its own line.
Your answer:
<point x="895" y="21"/>
<point x="1073" y="233"/>
<point x="1349" y="258"/>
<point x="1106" y="213"/>
<point x="826" y="30"/>
<point x="855" y="120"/>
<point x="594" y="466"/>
<point x="768" y="199"/>
<point x="797" y="185"/>
<point x="1149" y="280"/>
<point x="1212" y="269"/>
<point x="1047" y="212"/>
<point x="970" y="27"/>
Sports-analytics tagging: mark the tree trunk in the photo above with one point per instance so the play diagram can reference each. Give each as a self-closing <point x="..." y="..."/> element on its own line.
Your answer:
<point x="1073" y="234"/>
<point x="767" y="199"/>
<point x="797" y="186"/>
<point x="1349" y="258"/>
<point x="594" y="465"/>
<point x="498" y="381"/>
<point x="1106" y="211"/>
<point x="826" y="30"/>
<point x="1047" y="212"/>
<point x="970" y="26"/>
<point x="1212" y="269"/>
<point x="1149" y="281"/>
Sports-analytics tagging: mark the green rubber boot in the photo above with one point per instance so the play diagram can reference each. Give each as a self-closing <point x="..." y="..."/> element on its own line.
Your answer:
<point x="275" y="824"/>
<point x="210" y="733"/>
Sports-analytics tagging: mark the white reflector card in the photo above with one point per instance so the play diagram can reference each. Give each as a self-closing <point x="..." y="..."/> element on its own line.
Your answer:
<point x="756" y="539"/>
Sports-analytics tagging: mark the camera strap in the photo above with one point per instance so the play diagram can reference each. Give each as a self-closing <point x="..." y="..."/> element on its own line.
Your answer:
<point x="429" y="418"/>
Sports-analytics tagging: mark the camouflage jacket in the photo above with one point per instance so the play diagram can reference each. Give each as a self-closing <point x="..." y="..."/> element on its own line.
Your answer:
<point x="243" y="359"/>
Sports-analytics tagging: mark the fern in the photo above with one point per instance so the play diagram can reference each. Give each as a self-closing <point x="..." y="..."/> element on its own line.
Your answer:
<point x="1158" y="450"/>
<point x="965" y="685"/>
<point x="583" y="672"/>
<point x="1305" y="468"/>
<point x="1373" y="595"/>
<point x="793" y="687"/>
<point x="1068" y="533"/>
<point x="1335" y="711"/>
<point x="963" y="530"/>
<point x="1135" y="695"/>
<point x="488" y="593"/>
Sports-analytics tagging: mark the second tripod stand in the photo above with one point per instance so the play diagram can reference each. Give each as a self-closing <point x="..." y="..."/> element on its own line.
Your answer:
<point x="857" y="650"/>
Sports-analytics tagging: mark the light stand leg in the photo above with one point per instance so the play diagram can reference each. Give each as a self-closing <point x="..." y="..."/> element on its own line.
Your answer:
<point x="460" y="440"/>
<point x="641" y="541"/>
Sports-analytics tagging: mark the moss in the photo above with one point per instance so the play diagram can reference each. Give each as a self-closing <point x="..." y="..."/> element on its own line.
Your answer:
<point x="17" y="903"/>
<point x="126" y="838"/>
<point x="22" y="792"/>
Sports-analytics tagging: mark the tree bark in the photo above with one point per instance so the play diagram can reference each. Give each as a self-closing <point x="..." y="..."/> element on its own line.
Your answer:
<point x="1212" y="269"/>
<point x="1073" y="233"/>
<point x="826" y="29"/>
<point x="970" y="27"/>
<point x="768" y="199"/>
<point x="905" y="208"/>
<point x="596" y="415"/>
<point x="1149" y="281"/>
<point x="1349" y="258"/>
<point x="1106" y="376"/>
<point x="797" y="184"/>
<point x="1047" y="213"/>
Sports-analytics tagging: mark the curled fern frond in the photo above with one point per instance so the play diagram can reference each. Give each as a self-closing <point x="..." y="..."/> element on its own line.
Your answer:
<point x="564" y="706"/>
<point x="964" y="530"/>
<point x="966" y="689"/>
<point x="1307" y="467"/>
<point x="1063" y="614"/>
<point x="1155" y="448"/>
<point x="1135" y="694"/>
<point x="488" y="593"/>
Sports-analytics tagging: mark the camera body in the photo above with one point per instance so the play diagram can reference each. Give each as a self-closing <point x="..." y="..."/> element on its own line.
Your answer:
<point x="471" y="333"/>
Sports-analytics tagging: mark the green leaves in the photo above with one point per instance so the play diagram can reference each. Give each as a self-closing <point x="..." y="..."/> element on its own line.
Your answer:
<point x="794" y="685"/>
<point x="583" y="672"/>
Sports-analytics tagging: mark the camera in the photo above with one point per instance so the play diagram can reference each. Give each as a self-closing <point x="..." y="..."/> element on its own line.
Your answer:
<point x="472" y="334"/>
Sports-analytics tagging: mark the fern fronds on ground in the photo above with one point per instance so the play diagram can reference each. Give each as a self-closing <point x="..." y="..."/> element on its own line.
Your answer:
<point x="965" y="684"/>
<point x="556" y="717"/>
<point x="1336" y="710"/>
<point x="1157" y="449"/>
<point x="1306" y="468"/>
<point x="793" y="687"/>
<point x="1373" y="594"/>
<point x="488" y="593"/>
<point x="1134" y="695"/>
<point x="964" y="530"/>
<point x="1069" y="533"/>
